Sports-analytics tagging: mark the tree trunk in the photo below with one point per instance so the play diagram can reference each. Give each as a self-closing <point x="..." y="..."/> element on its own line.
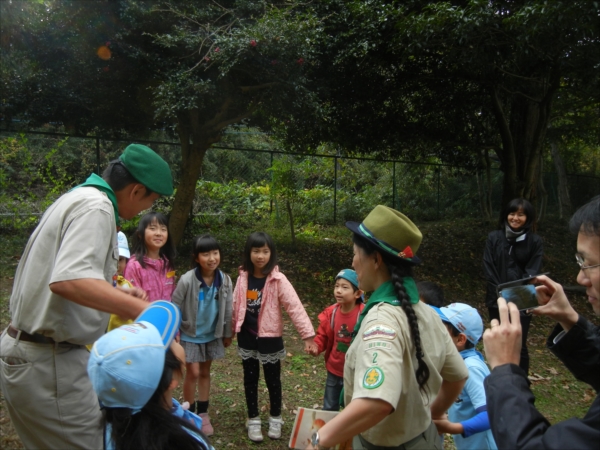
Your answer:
<point x="564" y="201"/>
<point x="542" y="193"/>
<point x="484" y="185"/>
<point x="523" y="122"/>
<point x="196" y="136"/>
<point x="186" y="190"/>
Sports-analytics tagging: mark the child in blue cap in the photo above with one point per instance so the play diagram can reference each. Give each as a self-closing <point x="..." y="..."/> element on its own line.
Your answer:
<point x="134" y="370"/>
<point x="335" y="333"/>
<point x="467" y="418"/>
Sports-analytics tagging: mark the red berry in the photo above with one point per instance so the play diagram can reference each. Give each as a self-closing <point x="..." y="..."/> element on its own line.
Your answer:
<point x="300" y="61"/>
<point x="217" y="50"/>
<point x="253" y="43"/>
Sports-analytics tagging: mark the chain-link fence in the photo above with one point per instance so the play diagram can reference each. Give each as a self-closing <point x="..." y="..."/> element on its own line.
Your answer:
<point x="244" y="184"/>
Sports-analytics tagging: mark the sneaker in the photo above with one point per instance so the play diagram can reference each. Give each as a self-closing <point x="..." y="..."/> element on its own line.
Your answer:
<point x="207" y="428"/>
<point x="275" y="427"/>
<point x="254" y="431"/>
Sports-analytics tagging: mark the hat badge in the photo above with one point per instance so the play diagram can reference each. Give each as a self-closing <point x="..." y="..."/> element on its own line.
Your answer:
<point x="406" y="253"/>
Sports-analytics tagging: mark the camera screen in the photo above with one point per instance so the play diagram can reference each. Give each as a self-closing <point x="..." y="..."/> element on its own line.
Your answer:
<point x="522" y="296"/>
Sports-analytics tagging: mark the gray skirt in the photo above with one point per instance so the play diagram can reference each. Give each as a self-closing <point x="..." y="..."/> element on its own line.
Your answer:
<point x="203" y="352"/>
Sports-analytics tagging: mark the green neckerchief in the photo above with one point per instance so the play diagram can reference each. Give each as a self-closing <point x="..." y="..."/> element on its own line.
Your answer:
<point x="97" y="182"/>
<point x="384" y="294"/>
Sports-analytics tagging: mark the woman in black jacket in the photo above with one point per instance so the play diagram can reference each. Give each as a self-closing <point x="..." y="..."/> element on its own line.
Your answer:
<point x="512" y="253"/>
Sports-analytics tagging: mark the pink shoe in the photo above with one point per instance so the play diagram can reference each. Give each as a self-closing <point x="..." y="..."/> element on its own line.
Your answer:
<point x="207" y="428"/>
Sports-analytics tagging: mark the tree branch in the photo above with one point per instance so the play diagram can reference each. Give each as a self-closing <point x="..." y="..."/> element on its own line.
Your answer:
<point x="258" y="87"/>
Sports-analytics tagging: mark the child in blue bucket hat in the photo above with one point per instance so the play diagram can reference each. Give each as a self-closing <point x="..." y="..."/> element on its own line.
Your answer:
<point x="134" y="370"/>
<point x="468" y="420"/>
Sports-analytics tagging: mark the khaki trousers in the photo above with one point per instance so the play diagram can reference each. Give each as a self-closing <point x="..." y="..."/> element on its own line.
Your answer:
<point x="49" y="396"/>
<point x="427" y="440"/>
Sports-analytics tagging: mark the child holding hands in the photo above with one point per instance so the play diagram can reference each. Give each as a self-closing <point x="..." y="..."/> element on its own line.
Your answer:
<point x="205" y="297"/>
<point x="336" y="324"/>
<point x="260" y="291"/>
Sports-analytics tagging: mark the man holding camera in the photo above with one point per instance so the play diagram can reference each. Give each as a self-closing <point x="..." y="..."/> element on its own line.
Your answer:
<point x="515" y="421"/>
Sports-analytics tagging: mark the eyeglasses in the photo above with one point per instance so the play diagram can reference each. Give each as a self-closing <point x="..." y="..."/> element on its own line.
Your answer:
<point x="580" y="263"/>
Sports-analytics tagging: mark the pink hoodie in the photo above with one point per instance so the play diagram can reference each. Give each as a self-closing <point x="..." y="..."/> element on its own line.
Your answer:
<point x="277" y="291"/>
<point x="157" y="278"/>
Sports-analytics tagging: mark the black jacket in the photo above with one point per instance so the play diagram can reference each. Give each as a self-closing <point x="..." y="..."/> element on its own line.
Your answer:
<point x="503" y="261"/>
<point x="517" y="424"/>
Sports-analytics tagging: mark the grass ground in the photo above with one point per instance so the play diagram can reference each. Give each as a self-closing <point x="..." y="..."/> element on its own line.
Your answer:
<point x="451" y="252"/>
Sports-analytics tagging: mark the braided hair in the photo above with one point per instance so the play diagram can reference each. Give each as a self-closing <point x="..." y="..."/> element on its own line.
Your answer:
<point x="398" y="271"/>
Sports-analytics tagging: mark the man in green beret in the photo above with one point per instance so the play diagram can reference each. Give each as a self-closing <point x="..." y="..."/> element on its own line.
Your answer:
<point x="62" y="298"/>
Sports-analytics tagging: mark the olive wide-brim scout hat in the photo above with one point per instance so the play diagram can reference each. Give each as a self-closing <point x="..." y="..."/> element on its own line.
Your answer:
<point x="148" y="168"/>
<point x="392" y="232"/>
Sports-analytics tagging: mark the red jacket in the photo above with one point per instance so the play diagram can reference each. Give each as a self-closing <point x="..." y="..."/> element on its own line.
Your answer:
<point x="325" y="338"/>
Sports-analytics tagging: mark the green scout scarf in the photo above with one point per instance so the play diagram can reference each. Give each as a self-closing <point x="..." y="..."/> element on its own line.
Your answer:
<point x="384" y="294"/>
<point x="97" y="182"/>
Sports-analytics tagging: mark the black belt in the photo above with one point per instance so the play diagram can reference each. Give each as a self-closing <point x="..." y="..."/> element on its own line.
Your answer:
<point x="35" y="338"/>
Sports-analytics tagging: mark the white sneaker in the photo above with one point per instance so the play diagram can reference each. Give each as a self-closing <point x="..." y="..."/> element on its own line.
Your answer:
<point x="254" y="431"/>
<point x="275" y="424"/>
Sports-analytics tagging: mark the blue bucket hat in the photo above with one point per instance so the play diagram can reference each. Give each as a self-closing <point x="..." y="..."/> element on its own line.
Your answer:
<point x="126" y="364"/>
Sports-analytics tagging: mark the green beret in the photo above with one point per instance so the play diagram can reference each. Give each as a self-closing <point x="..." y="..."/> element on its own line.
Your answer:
<point x="148" y="168"/>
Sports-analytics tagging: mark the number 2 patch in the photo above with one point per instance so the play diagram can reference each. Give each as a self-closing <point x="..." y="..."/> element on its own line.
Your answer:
<point x="373" y="378"/>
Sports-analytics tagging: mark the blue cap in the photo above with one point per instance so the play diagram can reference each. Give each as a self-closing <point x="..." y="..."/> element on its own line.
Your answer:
<point x="350" y="275"/>
<point x="464" y="318"/>
<point x="126" y="364"/>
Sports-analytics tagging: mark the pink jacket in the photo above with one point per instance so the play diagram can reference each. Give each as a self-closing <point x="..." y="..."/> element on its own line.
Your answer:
<point x="277" y="291"/>
<point x="157" y="278"/>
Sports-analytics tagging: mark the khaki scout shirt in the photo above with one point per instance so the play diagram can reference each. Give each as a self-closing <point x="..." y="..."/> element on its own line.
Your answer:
<point x="76" y="238"/>
<point x="381" y="364"/>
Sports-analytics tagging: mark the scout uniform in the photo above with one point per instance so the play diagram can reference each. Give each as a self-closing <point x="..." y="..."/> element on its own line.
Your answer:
<point x="43" y="356"/>
<point x="382" y="359"/>
<point x="381" y="364"/>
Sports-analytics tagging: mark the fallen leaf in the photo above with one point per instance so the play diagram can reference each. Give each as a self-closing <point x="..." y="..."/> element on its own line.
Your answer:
<point x="233" y="406"/>
<point x="229" y="390"/>
<point x="553" y="371"/>
<point x="289" y="355"/>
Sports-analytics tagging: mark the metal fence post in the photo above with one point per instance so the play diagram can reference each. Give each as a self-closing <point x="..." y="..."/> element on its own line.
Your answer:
<point x="97" y="155"/>
<point x="394" y="198"/>
<point x="335" y="165"/>
<point x="270" y="194"/>
<point x="438" y="192"/>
